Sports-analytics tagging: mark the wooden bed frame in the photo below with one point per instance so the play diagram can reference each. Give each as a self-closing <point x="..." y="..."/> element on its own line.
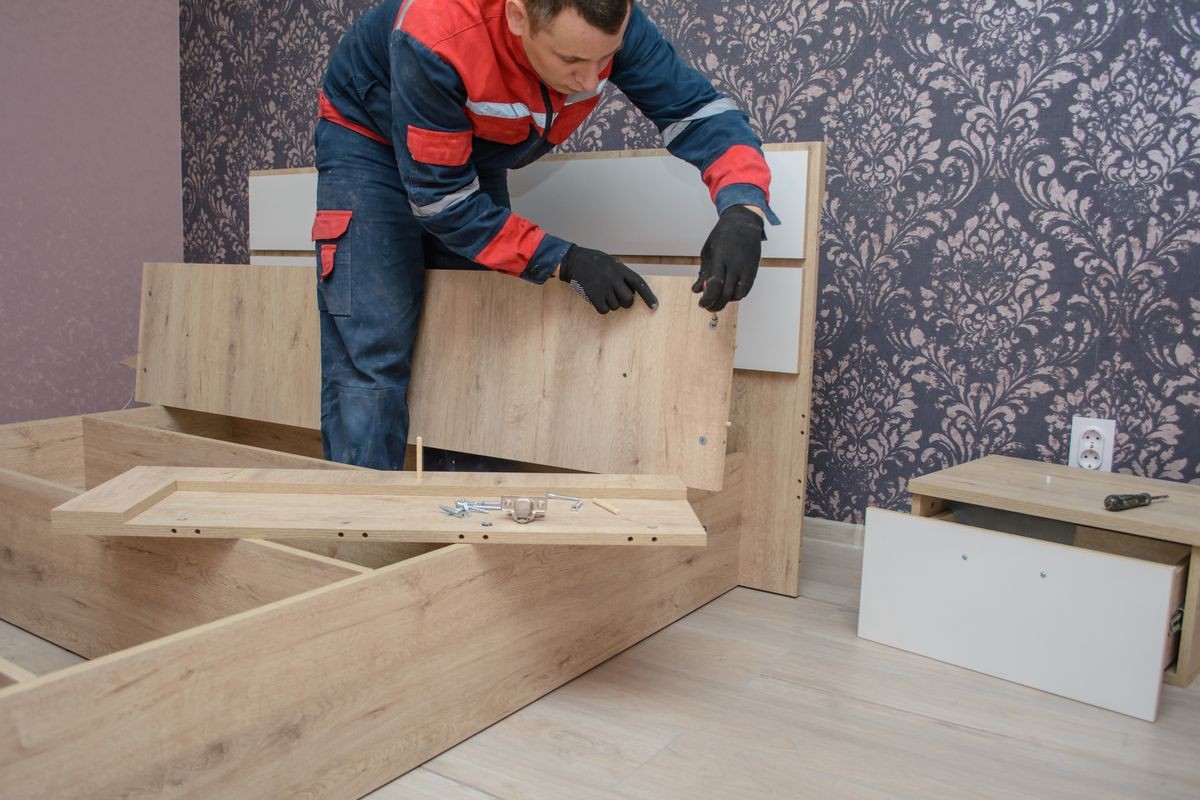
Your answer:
<point x="251" y="668"/>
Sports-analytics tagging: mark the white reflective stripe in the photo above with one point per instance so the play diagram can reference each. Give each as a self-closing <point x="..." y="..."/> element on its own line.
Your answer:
<point x="403" y="12"/>
<point x="505" y="111"/>
<point x="452" y="199"/>
<point x="579" y="97"/>
<point x="718" y="106"/>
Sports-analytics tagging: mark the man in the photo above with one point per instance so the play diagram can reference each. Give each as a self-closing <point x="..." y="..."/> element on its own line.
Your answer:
<point x="425" y="106"/>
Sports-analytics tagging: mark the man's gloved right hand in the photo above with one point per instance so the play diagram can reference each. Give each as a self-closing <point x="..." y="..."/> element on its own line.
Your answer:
<point x="602" y="280"/>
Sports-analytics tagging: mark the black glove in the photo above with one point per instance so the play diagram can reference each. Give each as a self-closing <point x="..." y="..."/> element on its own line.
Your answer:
<point x="602" y="280"/>
<point x="729" y="260"/>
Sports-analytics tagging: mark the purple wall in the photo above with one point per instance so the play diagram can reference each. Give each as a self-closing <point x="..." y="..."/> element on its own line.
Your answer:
<point x="89" y="189"/>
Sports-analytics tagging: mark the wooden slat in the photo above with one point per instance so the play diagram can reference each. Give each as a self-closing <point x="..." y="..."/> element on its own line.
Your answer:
<point x="93" y="596"/>
<point x="50" y="449"/>
<point x="225" y="504"/>
<point x="111" y="447"/>
<point x="770" y="414"/>
<point x="337" y="691"/>
<point x="503" y="368"/>
<point x="11" y="673"/>
<point x="1071" y="495"/>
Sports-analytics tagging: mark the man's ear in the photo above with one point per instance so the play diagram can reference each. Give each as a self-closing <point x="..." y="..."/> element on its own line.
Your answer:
<point x="517" y="17"/>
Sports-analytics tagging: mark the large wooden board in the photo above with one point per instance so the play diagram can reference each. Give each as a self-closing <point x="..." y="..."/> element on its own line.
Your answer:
<point x="503" y="368"/>
<point x="395" y="506"/>
<point x="531" y="373"/>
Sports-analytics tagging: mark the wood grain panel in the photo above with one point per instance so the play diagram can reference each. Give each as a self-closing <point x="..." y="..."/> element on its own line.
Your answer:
<point x="335" y="692"/>
<point x="770" y="414"/>
<point x="94" y="596"/>
<point x="279" y="504"/>
<point x="1070" y="494"/>
<point x="533" y="374"/>
<point x="112" y="446"/>
<point x="50" y="449"/>
<point x="503" y="368"/>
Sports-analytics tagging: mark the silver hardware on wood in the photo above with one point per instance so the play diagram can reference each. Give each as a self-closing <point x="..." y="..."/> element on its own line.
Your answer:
<point x="964" y="556"/>
<point x="703" y="440"/>
<point x="712" y="323"/>
<point x="554" y="496"/>
<point x="1043" y="573"/>
<point x="523" y="509"/>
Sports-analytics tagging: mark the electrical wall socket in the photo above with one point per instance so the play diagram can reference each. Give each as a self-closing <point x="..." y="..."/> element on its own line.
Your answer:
<point x="1092" y="442"/>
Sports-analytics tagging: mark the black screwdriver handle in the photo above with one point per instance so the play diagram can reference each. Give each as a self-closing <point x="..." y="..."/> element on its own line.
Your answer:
<point x="1124" y="502"/>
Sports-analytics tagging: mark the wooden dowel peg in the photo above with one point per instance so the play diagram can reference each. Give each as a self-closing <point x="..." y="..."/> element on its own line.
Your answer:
<point x="607" y="506"/>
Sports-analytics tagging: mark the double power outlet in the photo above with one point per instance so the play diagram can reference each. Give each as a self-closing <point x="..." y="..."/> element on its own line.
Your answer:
<point x="1092" y="442"/>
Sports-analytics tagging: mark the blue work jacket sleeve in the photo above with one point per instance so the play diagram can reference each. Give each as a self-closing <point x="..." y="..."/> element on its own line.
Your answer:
<point x="698" y="125"/>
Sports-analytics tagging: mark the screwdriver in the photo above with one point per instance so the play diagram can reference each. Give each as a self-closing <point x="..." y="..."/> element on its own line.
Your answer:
<point x="1123" y="502"/>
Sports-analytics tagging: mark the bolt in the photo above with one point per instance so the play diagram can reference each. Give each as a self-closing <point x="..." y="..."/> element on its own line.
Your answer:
<point x="553" y="496"/>
<point x="703" y="441"/>
<point x="578" y="505"/>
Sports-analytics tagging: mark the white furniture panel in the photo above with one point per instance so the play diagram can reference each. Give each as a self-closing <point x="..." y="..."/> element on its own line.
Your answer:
<point x="650" y="204"/>
<point x="768" y="321"/>
<point x="282" y="208"/>
<point x="637" y="205"/>
<point x="1092" y="629"/>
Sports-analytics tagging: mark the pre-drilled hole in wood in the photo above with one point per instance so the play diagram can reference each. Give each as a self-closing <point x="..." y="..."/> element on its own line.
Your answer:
<point x="654" y="538"/>
<point x="462" y="536"/>
<point x="174" y="531"/>
<point x="364" y="534"/>
<point x="341" y="533"/>
<point x="630" y="539"/>
<point x="485" y="536"/>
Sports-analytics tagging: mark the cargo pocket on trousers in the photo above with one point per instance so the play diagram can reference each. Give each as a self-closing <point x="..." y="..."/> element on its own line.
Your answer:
<point x="329" y="233"/>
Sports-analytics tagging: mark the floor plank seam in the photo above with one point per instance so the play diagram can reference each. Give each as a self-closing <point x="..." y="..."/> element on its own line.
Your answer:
<point x="457" y="782"/>
<point x="616" y="786"/>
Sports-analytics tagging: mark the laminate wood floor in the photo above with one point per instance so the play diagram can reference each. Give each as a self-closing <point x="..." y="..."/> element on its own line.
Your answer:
<point x="761" y="696"/>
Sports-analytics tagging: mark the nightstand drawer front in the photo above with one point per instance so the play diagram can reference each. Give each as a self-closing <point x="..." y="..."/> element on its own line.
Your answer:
<point x="1079" y="623"/>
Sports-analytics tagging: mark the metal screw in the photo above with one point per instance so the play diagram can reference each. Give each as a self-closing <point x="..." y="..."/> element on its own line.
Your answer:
<point x="712" y="323"/>
<point x="578" y="505"/>
<point x="964" y="556"/>
<point x="703" y="441"/>
<point x="553" y="496"/>
<point x="1043" y="573"/>
<point x="486" y="524"/>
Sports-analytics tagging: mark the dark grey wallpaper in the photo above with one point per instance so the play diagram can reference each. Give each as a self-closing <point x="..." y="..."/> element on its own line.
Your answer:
<point x="1012" y="222"/>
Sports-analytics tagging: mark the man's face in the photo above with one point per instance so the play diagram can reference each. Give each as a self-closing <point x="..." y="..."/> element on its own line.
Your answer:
<point x="568" y="54"/>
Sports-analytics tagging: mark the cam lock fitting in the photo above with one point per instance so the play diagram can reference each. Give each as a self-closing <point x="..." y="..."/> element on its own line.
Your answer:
<point x="523" y="509"/>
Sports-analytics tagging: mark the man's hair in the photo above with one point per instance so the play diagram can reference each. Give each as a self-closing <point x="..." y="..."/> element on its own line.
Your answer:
<point x="604" y="15"/>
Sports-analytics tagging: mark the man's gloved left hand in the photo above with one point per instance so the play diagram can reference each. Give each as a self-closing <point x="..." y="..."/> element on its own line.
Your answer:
<point x="729" y="259"/>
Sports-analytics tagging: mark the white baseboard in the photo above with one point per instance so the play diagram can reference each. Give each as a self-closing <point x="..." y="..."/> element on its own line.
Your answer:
<point x="829" y="530"/>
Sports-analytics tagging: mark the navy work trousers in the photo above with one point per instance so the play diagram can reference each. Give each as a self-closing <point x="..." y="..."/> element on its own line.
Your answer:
<point x="370" y="285"/>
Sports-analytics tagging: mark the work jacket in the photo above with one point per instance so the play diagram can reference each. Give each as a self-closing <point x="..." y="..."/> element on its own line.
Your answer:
<point x="450" y="88"/>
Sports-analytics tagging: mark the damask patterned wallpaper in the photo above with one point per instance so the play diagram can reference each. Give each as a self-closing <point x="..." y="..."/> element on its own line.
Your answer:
<point x="1011" y="229"/>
